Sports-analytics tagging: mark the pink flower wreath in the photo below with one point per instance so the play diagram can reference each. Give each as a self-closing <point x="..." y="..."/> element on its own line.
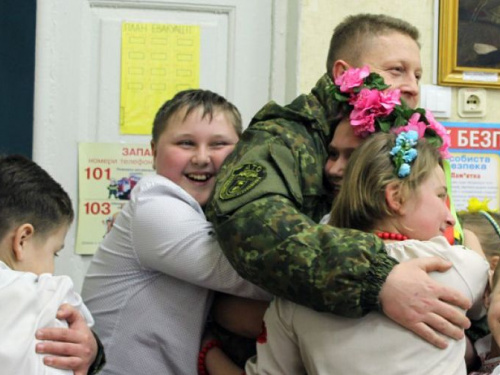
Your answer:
<point x="372" y="107"/>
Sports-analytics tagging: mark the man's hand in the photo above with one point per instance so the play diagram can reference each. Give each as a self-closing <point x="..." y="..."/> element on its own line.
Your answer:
<point x="73" y="348"/>
<point x="414" y="300"/>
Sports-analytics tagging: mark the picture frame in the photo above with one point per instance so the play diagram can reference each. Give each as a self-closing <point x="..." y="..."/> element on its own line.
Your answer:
<point x="469" y="44"/>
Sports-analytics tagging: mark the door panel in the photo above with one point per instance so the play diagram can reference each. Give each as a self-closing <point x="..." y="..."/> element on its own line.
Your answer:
<point x="77" y="77"/>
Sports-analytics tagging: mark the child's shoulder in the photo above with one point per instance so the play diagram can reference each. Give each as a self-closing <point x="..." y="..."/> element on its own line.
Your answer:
<point x="436" y="246"/>
<point x="157" y="185"/>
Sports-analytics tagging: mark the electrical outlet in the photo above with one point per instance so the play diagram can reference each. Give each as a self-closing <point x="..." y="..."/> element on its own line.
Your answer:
<point x="471" y="102"/>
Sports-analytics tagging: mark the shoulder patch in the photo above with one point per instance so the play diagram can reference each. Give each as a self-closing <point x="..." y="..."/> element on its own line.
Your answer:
<point x="242" y="180"/>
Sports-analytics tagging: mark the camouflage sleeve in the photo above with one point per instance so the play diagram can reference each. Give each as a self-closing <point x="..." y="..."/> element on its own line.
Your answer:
<point x="327" y="269"/>
<point x="266" y="195"/>
<point x="319" y="266"/>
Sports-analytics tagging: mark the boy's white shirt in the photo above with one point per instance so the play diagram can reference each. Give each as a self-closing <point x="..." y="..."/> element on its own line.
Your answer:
<point x="153" y="278"/>
<point x="30" y="302"/>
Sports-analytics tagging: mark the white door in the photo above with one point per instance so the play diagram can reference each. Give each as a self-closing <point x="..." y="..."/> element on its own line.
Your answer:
<point x="77" y="79"/>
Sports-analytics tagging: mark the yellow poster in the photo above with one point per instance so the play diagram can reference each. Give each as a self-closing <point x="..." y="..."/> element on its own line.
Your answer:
<point x="107" y="173"/>
<point x="157" y="61"/>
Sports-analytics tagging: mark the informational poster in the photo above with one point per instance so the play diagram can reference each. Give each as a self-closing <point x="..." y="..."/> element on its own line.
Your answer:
<point x="475" y="162"/>
<point x="107" y="173"/>
<point x="157" y="61"/>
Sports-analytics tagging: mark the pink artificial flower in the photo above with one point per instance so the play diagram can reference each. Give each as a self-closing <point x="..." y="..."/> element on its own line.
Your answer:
<point x="351" y="78"/>
<point x="369" y="105"/>
<point x="363" y="124"/>
<point x="413" y="124"/>
<point x="442" y="132"/>
<point x="365" y="108"/>
<point x="389" y="99"/>
<point x="366" y="100"/>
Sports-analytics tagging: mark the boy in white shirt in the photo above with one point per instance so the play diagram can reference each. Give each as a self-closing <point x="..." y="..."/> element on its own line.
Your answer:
<point x="35" y="214"/>
<point x="151" y="282"/>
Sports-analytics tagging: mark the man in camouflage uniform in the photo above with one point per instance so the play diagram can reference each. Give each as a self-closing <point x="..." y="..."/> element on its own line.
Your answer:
<point x="272" y="192"/>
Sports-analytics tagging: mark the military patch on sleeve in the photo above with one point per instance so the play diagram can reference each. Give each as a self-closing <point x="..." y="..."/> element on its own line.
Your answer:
<point x="242" y="180"/>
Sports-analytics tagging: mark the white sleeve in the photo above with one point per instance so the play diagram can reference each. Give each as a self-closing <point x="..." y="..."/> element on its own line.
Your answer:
<point x="170" y="234"/>
<point x="61" y="290"/>
<point x="468" y="275"/>
<point x="473" y="270"/>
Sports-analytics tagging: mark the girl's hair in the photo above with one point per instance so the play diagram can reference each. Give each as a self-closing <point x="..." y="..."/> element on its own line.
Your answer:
<point x="193" y="99"/>
<point x="361" y="201"/>
<point x="28" y="194"/>
<point x="484" y="230"/>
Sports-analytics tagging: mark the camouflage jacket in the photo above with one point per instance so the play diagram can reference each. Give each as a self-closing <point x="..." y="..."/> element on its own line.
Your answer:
<point x="269" y="197"/>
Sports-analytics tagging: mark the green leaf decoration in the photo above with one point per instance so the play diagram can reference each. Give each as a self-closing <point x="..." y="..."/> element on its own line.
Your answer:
<point x="385" y="126"/>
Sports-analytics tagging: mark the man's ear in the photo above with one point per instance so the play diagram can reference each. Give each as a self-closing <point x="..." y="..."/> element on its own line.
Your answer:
<point x="22" y="235"/>
<point x="393" y="197"/>
<point x="339" y="67"/>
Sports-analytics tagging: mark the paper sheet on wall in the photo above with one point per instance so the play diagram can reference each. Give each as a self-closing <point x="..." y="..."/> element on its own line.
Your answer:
<point x="157" y="61"/>
<point x="107" y="173"/>
<point x="475" y="163"/>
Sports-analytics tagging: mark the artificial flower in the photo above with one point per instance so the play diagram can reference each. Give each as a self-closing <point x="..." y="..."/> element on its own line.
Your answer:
<point x="403" y="153"/>
<point x="352" y="78"/>
<point x="389" y="99"/>
<point x="373" y="107"/>
<point x="413" y="124"/>
<point x="475" y="205"/>
<point x="404" y="170"/>
<point x="441" y="132"/>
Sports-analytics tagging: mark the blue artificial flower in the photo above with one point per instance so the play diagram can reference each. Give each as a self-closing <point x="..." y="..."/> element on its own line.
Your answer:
<point x="395" y="150"/>
<point x="404" y="152"/>
<point x="404" y="170"/>
<point x="410" y="155"/>
<point x="412" y="137"/>
<point x="400" y="139"/>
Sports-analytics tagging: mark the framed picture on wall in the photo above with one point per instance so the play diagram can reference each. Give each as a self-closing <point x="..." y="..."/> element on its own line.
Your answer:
<point x="469" y="43"/>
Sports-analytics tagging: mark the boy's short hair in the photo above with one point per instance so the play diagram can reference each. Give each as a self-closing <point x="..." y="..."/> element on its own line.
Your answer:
<point x="349" y="36"/>
<point x="361" y="201"/>
<point x="28" y="194"/>
<point x="191" y="100"/>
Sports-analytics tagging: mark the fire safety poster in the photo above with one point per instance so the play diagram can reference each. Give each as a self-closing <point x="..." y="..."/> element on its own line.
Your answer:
<point x="475" y="162"/>
<point x="107" y="173"/>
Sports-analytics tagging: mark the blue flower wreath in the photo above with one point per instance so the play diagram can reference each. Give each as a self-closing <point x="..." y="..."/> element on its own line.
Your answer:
<point x="404" y="152"/>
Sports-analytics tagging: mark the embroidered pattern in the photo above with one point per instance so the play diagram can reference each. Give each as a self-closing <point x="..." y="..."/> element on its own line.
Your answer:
<point x="242" y="180"/>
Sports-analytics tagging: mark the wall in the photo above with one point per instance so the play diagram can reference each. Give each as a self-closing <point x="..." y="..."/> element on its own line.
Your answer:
<point x="319" y="17"/>
<point x="77" y="82"/>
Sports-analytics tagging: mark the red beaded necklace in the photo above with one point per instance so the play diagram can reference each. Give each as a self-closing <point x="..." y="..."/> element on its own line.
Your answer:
<point x="392" y="236"/>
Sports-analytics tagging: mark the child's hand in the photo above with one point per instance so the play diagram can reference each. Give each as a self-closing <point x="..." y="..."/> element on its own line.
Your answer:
<point x="73" y="348"/>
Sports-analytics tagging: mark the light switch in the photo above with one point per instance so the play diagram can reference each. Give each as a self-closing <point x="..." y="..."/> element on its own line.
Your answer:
<point x="436" y="99"/>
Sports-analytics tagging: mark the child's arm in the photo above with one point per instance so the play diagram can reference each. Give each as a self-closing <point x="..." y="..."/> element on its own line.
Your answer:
<point x="239" y="315"/>
<point x="213" y="361"/>
<point x="218" y="363"/>
<point x="170" y="234"/>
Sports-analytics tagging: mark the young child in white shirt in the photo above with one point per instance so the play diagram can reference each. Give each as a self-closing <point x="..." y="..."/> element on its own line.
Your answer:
<point x="150" y="284"/>
<point x="35" y="214"/>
